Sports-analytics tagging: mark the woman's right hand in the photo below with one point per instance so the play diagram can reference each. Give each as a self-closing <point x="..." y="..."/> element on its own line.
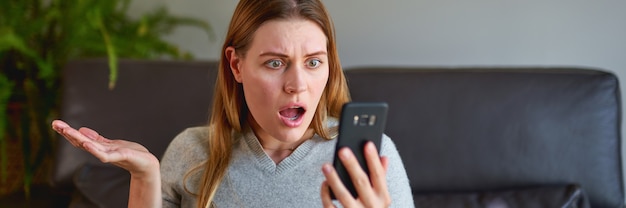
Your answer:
<point x="145" y="181"/>
<point x="128" y="155"/>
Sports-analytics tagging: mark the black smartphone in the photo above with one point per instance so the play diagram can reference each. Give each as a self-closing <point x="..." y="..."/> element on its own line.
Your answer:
<point x="359" y="123"/>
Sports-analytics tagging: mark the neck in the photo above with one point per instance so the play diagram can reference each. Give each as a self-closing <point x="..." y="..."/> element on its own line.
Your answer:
<point x="272" y="144"/>
<point x="275" y="148"/>
<point x="278" y="151"/>
<point x="277" y="155"/>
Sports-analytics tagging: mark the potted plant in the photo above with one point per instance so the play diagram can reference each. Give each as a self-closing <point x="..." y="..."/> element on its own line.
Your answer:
<point x="37" y="37"/>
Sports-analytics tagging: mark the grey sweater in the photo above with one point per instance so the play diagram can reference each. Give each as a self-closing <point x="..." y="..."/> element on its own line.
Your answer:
<point x="254" y="180"/>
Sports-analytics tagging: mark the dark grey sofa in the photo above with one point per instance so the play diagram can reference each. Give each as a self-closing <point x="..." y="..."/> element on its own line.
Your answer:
<point x="479" y="135"/>
<point x="469" y="137"/>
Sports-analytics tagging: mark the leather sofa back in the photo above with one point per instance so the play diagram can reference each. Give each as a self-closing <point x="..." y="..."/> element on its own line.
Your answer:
<point x="458" y="130"/>
<point x="479" y="129"/>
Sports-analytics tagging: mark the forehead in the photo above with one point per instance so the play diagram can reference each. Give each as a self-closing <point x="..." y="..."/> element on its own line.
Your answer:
<point x="289" y="34"/>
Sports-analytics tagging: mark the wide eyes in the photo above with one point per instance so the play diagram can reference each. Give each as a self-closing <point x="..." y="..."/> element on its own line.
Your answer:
<point x="274" y="64"/>
<point x="312" y="63"/>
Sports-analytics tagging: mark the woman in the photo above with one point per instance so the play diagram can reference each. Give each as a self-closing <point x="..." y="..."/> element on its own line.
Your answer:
<point x="279" y="90"/>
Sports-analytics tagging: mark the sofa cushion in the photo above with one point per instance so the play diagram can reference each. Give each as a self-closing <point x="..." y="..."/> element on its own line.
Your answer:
<point x="101" y="185"/>
<point x="565" y="196"/>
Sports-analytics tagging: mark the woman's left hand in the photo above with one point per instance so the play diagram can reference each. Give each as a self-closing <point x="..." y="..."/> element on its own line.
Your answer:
<point x="372" y="190"/>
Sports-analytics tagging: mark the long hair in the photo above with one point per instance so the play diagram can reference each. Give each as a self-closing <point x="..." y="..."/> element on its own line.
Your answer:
<point x="229" y="110"/>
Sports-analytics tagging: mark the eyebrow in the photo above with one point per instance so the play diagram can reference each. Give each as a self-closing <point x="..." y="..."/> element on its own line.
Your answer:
<point x="285" y="55"/>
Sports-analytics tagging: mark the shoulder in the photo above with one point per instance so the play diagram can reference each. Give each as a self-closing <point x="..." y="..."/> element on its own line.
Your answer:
<point x="196" y="136"/>
<point x="396" y="175"/>
<point x="388" y="148"/>
<point x="187" y="149"/>
<point x="193" y="134"/>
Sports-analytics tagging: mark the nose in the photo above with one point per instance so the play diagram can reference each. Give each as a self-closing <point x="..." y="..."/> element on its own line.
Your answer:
<point x="295" y="80"/>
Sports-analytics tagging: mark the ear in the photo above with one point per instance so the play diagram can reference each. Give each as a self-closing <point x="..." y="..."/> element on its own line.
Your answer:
<point x="234" y="62"/>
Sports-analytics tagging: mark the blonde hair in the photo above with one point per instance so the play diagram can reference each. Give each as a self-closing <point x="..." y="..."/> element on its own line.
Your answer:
<point x="229" y="110"/>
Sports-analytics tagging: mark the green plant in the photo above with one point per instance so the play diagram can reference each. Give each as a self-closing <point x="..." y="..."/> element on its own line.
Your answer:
<point x="37" y="38"/>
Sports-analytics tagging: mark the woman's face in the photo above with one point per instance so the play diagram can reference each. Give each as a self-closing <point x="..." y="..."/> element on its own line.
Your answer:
<point x="283" y="73"/>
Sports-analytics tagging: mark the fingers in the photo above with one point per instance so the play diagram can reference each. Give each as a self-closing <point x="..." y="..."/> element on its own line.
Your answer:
<point x="72" y="135"/>
<point x="90" y="133"/>
<point x="129" y="155"/>
<point x="385" y="161"/>
<point x="79" y="139"/>
<point x="378" y="171"/>
<point x="95" y="136"/>
<point x="359" y="178"/>
<point x="325" y="192"/>
<point x="102" y="154"/>
<point x="339" y="190"/>
<point x="86" y="139"/>
<point x="372" y="189"/>
<point x="59" y="127"/>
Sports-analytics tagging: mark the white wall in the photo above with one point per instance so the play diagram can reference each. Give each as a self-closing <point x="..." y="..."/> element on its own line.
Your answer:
<point x="482" y="32"/>
<point x="448" y="32"/>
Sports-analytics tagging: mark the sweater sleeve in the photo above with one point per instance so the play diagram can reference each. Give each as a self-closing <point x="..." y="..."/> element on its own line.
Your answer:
<point x="397" y="179"/>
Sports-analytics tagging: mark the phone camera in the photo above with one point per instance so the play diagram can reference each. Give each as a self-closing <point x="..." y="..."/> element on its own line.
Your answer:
<point x="364" y="120"/>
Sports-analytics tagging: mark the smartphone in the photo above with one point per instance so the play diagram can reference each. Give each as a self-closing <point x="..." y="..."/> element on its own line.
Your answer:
<point x="359" y="123"/>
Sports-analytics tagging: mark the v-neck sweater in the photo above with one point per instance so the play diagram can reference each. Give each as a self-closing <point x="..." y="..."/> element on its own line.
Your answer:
<point x="253" y="179"/>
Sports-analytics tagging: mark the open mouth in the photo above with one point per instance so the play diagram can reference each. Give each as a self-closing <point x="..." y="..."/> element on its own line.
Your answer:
<point x="292" y="113"/>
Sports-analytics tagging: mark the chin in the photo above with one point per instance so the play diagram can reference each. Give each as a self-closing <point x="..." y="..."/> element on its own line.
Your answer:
<point x="291" y="134"/>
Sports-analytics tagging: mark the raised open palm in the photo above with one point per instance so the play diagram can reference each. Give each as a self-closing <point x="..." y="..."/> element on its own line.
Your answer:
<point x="128" y="155"/>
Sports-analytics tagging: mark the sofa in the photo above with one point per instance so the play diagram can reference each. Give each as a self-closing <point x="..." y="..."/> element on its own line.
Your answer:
<point x="468" y="136"/>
